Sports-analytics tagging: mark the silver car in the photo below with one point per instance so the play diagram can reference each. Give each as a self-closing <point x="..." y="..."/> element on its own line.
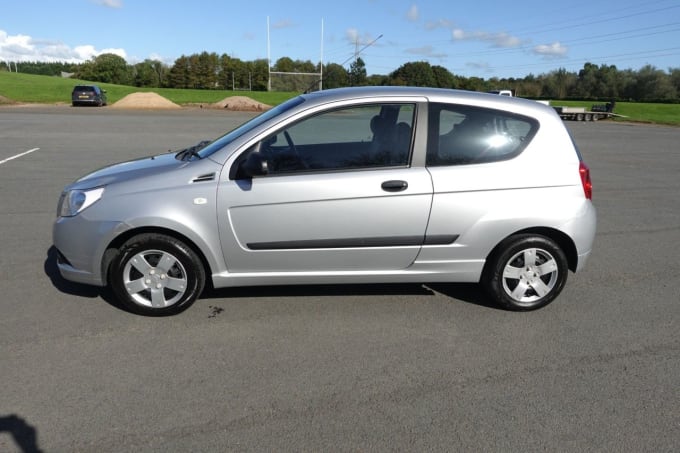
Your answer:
<point x="358" y="185"/>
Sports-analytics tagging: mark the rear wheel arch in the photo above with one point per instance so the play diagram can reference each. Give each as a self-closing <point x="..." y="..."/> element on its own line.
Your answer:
<point x="563" y="240"/>
<point x="525" y="271"/>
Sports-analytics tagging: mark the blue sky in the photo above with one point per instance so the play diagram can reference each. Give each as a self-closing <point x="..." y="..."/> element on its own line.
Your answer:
<point x="490" y="38"/>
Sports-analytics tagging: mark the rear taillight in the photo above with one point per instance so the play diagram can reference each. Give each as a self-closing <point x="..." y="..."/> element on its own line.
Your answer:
<point x="584" y="171"/>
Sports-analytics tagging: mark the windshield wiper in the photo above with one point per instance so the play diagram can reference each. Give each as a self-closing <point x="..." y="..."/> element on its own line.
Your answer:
<point x="192" y="151"/>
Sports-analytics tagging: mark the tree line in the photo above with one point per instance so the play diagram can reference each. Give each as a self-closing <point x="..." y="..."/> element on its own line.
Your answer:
<point x="213" y="71"/>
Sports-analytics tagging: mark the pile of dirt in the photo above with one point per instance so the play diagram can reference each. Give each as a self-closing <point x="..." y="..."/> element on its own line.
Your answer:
<point x="145" y="101"/>
<point x="241" y="104"/>
<point x="4" y="100"/>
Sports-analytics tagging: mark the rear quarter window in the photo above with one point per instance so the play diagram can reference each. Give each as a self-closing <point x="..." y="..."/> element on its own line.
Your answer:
<point x="460" y="135"/>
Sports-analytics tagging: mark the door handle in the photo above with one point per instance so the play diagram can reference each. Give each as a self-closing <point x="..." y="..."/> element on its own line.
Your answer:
<point x="394" y="185"/>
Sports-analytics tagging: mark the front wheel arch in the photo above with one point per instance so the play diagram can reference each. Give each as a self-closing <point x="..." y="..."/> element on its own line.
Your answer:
<point x="113" y="249"/>
<point x="156" y="275"/>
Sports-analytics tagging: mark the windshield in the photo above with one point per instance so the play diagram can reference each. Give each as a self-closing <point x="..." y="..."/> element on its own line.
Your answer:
<point x="248" y="126"/>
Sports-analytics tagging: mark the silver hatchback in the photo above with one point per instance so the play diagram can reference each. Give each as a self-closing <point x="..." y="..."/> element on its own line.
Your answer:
<point x="358" y="185"/>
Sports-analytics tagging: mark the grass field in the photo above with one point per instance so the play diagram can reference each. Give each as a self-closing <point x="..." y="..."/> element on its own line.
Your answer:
<point x="26" y="88"/>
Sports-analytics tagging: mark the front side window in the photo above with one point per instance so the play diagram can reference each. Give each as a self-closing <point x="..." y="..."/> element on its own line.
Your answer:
<point x="249" y="126"/>
<point x="459" y="135"/>
<point x="356" y="137"/>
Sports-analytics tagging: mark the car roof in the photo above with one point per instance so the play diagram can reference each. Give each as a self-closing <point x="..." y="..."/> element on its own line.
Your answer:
<point x="432" y="94"/>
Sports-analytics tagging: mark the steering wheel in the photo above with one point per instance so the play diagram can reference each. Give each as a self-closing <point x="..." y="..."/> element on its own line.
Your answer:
<point x="293" y="150"/>
<point x="291" y="145"/>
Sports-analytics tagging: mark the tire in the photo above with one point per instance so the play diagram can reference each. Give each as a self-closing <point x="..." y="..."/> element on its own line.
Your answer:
<point x="525" y="272"/>
<point x="156" y="275"/>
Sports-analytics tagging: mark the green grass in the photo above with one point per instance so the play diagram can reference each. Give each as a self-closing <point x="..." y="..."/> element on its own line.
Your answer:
<point x="28" y="88"/>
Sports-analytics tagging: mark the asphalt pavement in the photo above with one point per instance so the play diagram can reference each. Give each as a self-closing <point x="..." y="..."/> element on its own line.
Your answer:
<point x="337" y="368"/>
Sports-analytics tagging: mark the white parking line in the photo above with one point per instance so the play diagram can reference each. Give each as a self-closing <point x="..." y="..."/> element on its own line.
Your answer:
<point x="18" y="155"/>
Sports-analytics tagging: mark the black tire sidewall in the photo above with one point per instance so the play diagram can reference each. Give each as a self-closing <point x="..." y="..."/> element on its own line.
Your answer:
<point x="195" y="273"/>
<point x="492" y="278"/>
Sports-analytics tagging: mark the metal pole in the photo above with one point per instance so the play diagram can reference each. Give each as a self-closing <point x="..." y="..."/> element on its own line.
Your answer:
<point x="269" y="60"/>
<point x="321" y="61"/>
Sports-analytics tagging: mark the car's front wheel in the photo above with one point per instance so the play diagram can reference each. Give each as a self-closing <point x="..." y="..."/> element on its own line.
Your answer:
<point x="156" y="275"/>
<point x="525" y="272"/>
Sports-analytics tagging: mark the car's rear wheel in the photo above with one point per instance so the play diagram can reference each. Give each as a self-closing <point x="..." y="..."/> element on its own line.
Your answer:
<point x="156" y="275"/>
<point x="525" y="272"/>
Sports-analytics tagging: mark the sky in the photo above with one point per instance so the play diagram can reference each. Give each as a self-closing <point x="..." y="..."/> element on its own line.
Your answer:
<point x="490" y="38"/>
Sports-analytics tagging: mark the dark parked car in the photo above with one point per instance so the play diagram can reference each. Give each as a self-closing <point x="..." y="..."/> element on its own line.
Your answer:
<point x="88" y="95"/>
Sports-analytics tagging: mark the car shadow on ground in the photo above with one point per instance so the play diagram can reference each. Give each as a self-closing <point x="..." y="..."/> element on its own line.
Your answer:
<point x="75" y="289"/>
<point x="466" y="292"/>
<point x="63" y="285"/>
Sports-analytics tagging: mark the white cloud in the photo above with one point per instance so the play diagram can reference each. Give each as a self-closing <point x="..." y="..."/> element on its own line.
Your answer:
<point x="284" y="23"/>
<point x="13" y="46"/>
<point x="116" y="4"/>
<point x="496" y="39"/>
<point x="426" y="51"/>
<point x="554" y="50"/>
<point x="458" y="34"/>
<point x="25" y="48"/>
<point x="413" y="15"/>
<point x="441" y="23"/>
<point x="353" y="36"/>
<point x="153" y="56"/>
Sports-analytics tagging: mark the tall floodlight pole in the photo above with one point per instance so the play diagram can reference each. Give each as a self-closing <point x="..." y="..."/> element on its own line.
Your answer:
<point x="321" y="61"/>
<point x="269" y="60"/>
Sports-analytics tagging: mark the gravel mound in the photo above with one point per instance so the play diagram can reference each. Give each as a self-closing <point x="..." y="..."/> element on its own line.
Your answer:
<point x="145" y="101"/>
<point x="241" y="104"/>
<point x="4" y="100"/>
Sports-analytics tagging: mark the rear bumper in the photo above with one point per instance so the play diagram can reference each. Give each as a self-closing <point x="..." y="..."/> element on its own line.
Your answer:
<point x="92" y="101"/>
<point x="584" y="235"/>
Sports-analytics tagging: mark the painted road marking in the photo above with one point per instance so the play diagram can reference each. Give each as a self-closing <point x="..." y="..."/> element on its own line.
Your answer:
<point x="18" y="155"/>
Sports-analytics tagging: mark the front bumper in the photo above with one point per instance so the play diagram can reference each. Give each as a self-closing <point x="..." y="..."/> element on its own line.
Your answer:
<point x="81" y="245"/>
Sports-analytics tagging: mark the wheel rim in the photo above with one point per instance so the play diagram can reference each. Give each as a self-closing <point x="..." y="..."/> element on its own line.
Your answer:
<point x="155" y="278"/>
<point x="530" y="275"/>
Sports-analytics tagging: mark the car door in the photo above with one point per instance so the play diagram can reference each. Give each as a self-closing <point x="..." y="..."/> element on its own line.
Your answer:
<point x="338" y="195"/>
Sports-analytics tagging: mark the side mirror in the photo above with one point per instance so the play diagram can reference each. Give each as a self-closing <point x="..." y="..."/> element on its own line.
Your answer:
<point x="255" y="165"/>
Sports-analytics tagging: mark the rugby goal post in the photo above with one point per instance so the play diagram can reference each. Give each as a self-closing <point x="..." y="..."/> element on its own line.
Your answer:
<point x="293" y="81"/>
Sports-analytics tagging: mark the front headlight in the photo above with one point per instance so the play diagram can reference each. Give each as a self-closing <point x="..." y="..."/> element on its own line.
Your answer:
<point x="74" y="201"/>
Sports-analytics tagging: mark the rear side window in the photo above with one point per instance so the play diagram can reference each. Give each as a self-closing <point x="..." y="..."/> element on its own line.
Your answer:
<point x="460" y="135"/>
